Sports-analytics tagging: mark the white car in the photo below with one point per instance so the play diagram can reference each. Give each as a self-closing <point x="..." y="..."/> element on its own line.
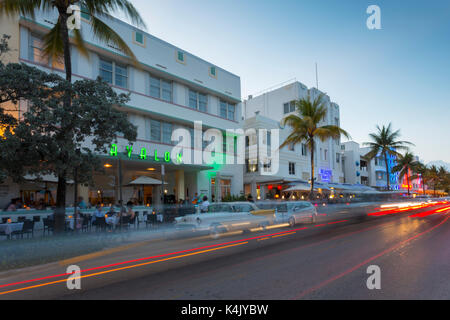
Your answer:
<point x="293" y="212"/>
<point x="224" y="217"/>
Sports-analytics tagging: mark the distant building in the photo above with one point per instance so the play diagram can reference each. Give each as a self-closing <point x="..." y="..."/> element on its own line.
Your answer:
<point x="359" y="170"/>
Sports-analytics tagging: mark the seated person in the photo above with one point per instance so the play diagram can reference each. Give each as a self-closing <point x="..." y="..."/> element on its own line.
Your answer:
<point x="128" y="212"/>
<point x="81" y="203"/>
<point x="11" y="206"/>
<point x="111" y="212"/>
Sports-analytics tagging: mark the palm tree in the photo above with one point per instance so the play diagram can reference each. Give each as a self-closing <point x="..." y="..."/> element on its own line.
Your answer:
<point x="433" y="177"/>
<point x="305" y="127"/>
<point x="385" y="142"/>
<point x="421" y="171"/>
<point x="406" y="164"/>
<point x="443" y="177"/>
<point x="57" y="43"/>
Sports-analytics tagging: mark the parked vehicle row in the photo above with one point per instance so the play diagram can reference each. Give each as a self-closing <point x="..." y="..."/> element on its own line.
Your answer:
<point x="231" y="216"/>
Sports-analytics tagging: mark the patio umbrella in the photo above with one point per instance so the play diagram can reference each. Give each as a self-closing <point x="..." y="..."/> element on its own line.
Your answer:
<point x="299" y="187"/>
<point x="143" y="180"/>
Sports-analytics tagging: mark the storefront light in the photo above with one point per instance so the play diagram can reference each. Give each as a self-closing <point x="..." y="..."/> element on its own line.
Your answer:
<point x="107" y="165"/>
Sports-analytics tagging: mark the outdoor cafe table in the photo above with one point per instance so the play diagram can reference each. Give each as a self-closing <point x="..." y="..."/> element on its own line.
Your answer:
<point x="114" y="220"/>
<point x="9" y="228"/>
<point x="70" y="221"/>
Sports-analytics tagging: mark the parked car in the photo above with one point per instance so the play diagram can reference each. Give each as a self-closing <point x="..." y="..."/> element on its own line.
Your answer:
<point x="292" y="212"/>
<point x="228" y="216"/>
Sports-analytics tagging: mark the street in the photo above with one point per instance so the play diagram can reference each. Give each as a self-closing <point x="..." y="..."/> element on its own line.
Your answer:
<point x="326" y="260"/>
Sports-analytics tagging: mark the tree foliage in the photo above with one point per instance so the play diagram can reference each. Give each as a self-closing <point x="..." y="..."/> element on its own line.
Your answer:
<point x="406" y="165"/>
<point x="53" y="138"/>
<point x="385" y="142"/>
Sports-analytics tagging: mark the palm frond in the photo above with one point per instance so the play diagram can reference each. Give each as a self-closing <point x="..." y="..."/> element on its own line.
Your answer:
<point x="23" y="7"/>
<point x="103" y="7"/>
<point x="104" y="33"/>
<point x="79" y="42"/>
<point x="53" y="43"/>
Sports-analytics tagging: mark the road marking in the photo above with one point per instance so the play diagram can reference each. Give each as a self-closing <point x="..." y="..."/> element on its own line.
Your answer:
<point x="282" y="235"/>
<point x="263" y="239"/>
<point x="152" y="257"/>
<point x="101" y="253"/>
<point x="320" y="225"/>
<point x="122" y="268"/>
<point x="350" y="270"/>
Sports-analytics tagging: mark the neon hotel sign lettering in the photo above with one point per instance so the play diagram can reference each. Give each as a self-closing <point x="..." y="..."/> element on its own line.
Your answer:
<point x="143" y="154"/>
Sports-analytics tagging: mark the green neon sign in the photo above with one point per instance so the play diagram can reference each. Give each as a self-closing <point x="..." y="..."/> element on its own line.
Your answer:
<point x="143" y="154"/>
<point x="129" y="150"/>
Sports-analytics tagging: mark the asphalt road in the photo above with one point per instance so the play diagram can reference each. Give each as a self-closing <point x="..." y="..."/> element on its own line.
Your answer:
<point x="327" y="260"/>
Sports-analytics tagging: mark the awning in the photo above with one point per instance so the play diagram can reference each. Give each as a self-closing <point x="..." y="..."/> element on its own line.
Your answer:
<point x="143" y="180"/>
<point x="298" y="187"/>
<point x="44" y="178"/>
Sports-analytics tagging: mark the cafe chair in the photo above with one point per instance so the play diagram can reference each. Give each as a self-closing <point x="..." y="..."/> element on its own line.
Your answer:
<point x="124" y="222"/>
<point x="28" y="228"/>
<point x="151" y="219"/>
<point x="85" y="224"/>
<point x="49" y="225"/>
<point x="5" y="219"/>
<point x="21" y="219"/>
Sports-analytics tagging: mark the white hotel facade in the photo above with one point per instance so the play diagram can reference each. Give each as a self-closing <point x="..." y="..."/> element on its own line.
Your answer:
<point x="266" y="111"/>
<point x="169" y="89"/>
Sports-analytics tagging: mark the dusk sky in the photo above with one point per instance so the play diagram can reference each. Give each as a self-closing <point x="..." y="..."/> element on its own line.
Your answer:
<point x="399" y="74"/>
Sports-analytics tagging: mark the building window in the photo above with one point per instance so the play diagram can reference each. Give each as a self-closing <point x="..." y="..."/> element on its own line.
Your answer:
<point x="161" y="131"/>
<point x="138" y="38"/>
<point x="251" y="165"/>
<point x="225" y="187"/>
<point x="291" y="147"/>
<point x="167" y="133"/>
<point x="212" y="72"/>
<point x="160" y="89"/>
<point x="304" y="151"/>
<point x="37" y="54"/>
<point x="155" y="130"/>
<point x="227" y="110"/>
<point x="338" y="158"/>
<point x="180" y="57"/>
<point x="289" y="107"/>
<point x="325" y="152"/>
<point x="292" y="168"/>
<point x="121" y="76"/>
<point x="106" y="71"/>
<point x="223" y="109"/>
<point x="198" y="101"/>
<point x="85" y="13"/>
<point x="267" y="166"/>
<point x="113" y="73"/>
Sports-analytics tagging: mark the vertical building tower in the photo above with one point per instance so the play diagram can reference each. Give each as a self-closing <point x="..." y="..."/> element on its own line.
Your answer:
<point x="266" y="111"/>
